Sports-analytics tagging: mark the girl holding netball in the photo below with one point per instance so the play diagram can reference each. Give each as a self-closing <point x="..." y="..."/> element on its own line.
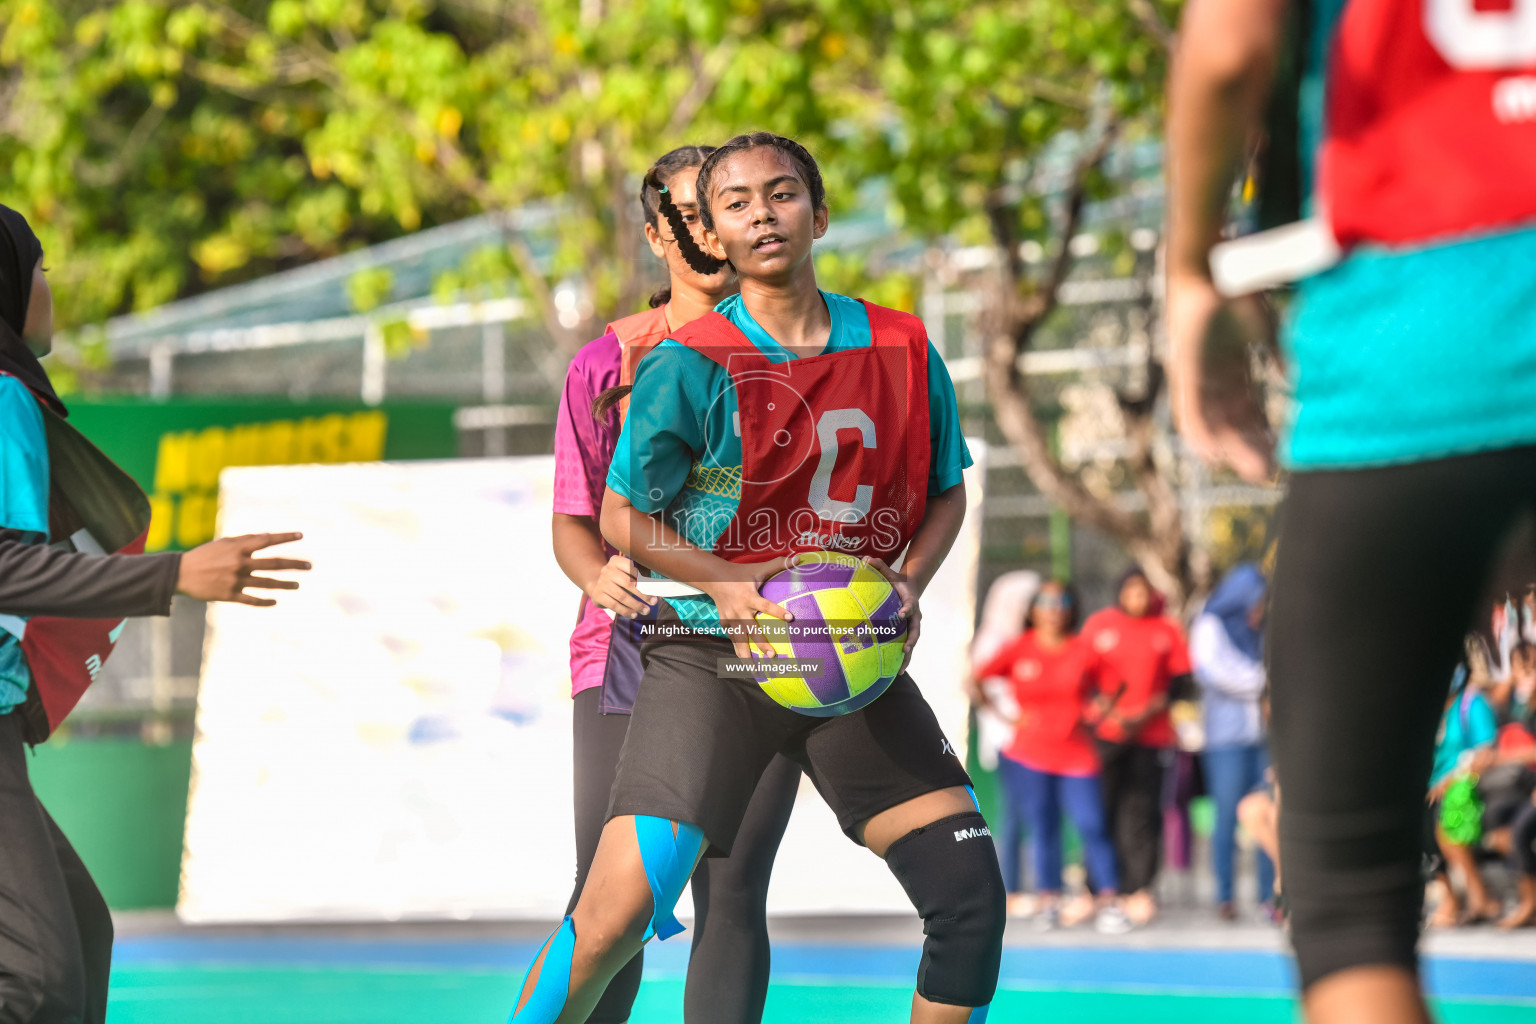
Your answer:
<point x="728" y="969"/>
<point x="788" y="420"/>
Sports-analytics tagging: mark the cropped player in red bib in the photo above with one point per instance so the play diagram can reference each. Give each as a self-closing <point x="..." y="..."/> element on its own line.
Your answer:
<point x="789" y="420"/>
<point x="1411" y="434"/>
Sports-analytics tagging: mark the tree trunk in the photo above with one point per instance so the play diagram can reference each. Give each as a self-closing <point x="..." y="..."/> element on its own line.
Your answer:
<point x="1014" y="312"/>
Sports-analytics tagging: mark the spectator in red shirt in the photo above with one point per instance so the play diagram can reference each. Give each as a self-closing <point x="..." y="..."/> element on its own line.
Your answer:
<point x="1052" y="763"/>
<point x="1141" y="655"/>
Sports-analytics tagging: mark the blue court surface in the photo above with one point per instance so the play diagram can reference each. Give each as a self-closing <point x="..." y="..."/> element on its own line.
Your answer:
<point x="399" y="975"/>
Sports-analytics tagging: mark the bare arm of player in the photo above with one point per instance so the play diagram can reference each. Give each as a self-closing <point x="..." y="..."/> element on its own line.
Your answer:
<point x="608" y="582"/>
<point x="733" y="586"/>
<point x="1221" y="78"/>
<point x="941" y="525"/>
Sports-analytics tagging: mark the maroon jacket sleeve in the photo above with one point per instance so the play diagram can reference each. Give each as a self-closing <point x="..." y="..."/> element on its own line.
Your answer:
<point x="38" y="580"/>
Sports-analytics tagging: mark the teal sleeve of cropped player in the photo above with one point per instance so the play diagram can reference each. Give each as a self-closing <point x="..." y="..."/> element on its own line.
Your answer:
<point x="948" y="455"/>
<point x="669" y="857"/>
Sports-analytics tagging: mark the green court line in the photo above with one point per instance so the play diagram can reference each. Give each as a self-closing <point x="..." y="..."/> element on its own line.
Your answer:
<point x="256" y="995"/>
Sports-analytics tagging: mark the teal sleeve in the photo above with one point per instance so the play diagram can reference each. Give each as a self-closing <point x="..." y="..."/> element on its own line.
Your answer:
<point x="662" y="430"/>
<point x="948" y="456"/>
<point x="23" y="461"/>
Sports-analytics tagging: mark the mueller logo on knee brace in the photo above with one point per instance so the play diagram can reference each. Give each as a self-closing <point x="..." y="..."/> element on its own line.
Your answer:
<point x="961" y="835"/>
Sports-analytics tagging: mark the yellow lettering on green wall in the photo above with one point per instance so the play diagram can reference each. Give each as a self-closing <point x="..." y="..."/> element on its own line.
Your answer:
<point x="171" y="462"/>
<point x="185" y="504"/>
<point x="162" y="508"/>
<point x="365" y="436"/>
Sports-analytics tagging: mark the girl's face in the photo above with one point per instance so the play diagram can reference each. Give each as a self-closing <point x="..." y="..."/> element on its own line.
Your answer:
<point x="1257" y="612"/>
<point x="1053" y="609"/>
<point x="1135" y="597"/>
<point x="37" y="332"/>
<point x="764" y="221"/>
<point x="682" y="188"/>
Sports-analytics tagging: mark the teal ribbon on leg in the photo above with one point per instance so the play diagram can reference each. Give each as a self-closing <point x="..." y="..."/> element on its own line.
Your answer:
<point x="554" y="984"/>
<point x="669" y="859"/>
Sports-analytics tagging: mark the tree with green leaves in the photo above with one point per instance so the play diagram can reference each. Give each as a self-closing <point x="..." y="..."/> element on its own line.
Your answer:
<point x="164" y="147"/>
<point x="994" y="126"/>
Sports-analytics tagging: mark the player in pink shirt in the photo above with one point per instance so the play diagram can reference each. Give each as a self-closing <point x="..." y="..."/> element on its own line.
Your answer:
<point x="728" y="968"/>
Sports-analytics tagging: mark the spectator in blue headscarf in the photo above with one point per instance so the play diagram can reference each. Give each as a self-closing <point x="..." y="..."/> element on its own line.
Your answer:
<point x="1227" y="651"/>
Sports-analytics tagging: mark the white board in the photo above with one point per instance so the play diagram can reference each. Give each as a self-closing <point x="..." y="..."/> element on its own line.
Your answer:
<point x="393" y="740"/>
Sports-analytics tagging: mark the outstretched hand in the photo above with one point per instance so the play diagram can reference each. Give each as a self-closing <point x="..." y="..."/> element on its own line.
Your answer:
<point x="220" y="570"/>
<point x="1216" y="403"/>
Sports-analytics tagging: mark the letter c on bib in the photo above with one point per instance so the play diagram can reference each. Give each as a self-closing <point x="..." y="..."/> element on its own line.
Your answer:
<point x="1471" y="39"/>
<point x="822" y="501"/>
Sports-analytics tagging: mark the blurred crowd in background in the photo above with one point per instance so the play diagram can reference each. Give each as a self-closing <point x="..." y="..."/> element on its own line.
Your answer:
<point x="1480" y="837"/>
<point x="1119" y="723"/>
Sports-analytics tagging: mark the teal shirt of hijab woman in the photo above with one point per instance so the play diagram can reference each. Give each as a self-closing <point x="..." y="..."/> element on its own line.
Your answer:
<point x="24" y="451"/>
<point x="55" y="928"/>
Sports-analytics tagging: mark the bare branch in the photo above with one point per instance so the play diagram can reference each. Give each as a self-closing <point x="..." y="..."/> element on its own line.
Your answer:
<point x="627" y="232"/>
<point x="1175" y="566"/>
<point x="1157" y="541"/>
<point x="707" y="71"/>
<point x="1049" y="292"/>
<point x="1153" y="22"/>
<point x="126" y="153"/>
<point x="1009" y="393"/>
<point x="463" y="174"/>
<point x="1045" y="89"/>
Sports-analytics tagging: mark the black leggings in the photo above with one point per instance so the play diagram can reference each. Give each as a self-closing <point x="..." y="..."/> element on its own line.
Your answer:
<point x="55" y="930"/>
<point x="728" y="966"/>
<point x="1132" y="781"/>
<point x="1378" y="577"/>
<point x="1522" y="840"/>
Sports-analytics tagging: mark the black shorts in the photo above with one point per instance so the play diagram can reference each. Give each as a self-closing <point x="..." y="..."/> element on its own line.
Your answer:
<point x="697" y="745"/>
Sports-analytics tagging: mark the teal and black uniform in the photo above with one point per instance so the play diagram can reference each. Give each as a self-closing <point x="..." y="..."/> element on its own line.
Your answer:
<point x="1406" y="354"/>
<point x="24" y="509"/>
<point x="680" y="456"/>
<point x="1411" y="439"/>
<point x="699" y="742"/>
<point x="55" y="929"/>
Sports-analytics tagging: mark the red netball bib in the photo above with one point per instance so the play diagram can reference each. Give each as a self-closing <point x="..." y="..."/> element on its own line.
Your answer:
<point x="835" y="447"/>
<point x="637" y="335"/>
<point x="1431" y="119"/>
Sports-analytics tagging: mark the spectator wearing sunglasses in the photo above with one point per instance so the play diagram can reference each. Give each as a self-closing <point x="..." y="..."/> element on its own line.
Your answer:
<point x="1052" y="764"/>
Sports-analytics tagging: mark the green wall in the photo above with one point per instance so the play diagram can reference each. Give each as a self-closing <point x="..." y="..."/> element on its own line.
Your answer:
<point x="129" y="429"/>
<point x="122" y="803"/>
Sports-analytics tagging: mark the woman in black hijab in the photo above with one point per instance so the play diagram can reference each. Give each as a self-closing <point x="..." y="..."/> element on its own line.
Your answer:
<point x="62" y="504"/>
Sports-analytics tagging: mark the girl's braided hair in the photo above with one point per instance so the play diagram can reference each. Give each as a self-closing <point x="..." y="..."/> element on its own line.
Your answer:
<point x="656" y="199"/>
<point x="653" y="190"/>
<point x="697" y="259"/>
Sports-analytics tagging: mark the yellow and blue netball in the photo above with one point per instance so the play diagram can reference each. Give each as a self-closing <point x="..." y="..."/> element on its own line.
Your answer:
<point x="846" y="616"/>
